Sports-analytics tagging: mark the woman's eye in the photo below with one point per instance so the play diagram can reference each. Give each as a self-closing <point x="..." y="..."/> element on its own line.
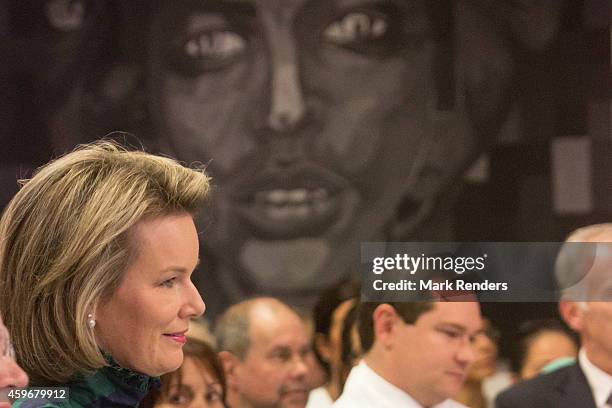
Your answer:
<point x="169" y="283"/>
<point x="177" y="399"/>
<point x="180" y="397"/>
<point x="356" y="27"/>
<point x="212" y="396"/>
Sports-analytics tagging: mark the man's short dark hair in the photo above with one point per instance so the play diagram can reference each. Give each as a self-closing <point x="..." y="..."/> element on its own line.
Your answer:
<point x="408" y="311"/>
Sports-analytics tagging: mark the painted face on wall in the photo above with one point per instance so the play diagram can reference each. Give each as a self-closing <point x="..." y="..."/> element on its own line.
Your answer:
<point x="317" y="120"/>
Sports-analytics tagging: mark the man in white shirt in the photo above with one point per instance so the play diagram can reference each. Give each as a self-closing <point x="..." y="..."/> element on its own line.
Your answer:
<point x="416" y="354"/>
<point x="584" y="274"/>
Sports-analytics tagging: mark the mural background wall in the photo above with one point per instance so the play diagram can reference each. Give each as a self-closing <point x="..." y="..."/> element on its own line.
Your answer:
<point x="327" y="123"/>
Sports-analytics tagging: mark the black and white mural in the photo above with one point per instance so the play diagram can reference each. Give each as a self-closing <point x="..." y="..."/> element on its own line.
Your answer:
<point x="325" y="123"/>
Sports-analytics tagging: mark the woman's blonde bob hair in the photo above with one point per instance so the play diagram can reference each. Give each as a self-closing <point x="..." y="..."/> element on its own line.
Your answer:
<point x="64" y="246"/>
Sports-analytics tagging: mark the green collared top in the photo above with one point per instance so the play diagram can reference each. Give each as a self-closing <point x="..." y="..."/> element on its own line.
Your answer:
<point x="110" y="386"/>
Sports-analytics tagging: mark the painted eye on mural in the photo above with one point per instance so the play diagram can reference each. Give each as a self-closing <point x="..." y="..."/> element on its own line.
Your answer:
<point x="65" y="15"/>
<point x="210" y="51"/>
<point x="215" y="45"/>
<point x="372" y="33"/>
<point x="378" y="31"/>
<point x="356" y="27"/>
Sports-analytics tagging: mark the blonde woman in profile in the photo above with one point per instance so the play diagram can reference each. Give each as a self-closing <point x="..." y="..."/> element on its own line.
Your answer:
<point x="95" y="264"/>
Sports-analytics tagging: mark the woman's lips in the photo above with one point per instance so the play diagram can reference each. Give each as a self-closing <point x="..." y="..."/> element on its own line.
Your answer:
<point x="177" y="337"/>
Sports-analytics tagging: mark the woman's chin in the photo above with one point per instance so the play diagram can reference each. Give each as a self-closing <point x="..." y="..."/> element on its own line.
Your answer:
<point x="171" y="362"/>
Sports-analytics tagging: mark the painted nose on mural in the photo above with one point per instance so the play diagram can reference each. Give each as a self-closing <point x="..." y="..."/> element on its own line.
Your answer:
<point x="287" y="107"/>
<point x="286" y="119"/>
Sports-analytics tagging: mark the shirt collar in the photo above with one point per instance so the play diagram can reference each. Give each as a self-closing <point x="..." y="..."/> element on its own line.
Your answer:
<point x="394" y="395"/>
<point x="599" y="381"/>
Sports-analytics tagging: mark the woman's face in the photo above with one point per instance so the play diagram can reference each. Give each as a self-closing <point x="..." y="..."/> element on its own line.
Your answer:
<point x="545" y="348"/>
<point x="485" y="352"/>
<point x="198" y="388"/>
<point x="143" y="324"/>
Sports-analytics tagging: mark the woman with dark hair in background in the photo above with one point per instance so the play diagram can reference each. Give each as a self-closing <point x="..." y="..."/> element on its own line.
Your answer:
<point x="484" y="365"/>
<point x="329" y="314"/>
<point x="198" y="383"/>
<point x="350" y="350"/>
<point x="540" y="343"/>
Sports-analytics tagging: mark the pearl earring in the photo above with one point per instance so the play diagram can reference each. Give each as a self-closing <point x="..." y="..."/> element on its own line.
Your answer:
<point x="91" y="322"/>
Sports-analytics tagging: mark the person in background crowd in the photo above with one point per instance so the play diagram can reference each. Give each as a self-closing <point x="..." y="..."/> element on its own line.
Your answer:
<point x="350" y="351"/>
<point x="318" y="375"/>
<point x="265" y="348"/>
<point x="484" y="366"/>
<point x="198" y="383"/>
<point x="96" y="256"/>
<point x="416" y="354"/>
<point x="540" y="343"/>
<point x="329" y="348"/>
<point x="328" y="314"/>
<point x="11" y="375"/>
<point x="199" y="329"/>
<point x="583" y="273"/>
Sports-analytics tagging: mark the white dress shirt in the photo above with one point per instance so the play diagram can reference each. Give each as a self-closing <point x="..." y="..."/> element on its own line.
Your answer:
<point x="366" y="389"/>
<point x="319" y="398"/>
<point x="599" y="381"/>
